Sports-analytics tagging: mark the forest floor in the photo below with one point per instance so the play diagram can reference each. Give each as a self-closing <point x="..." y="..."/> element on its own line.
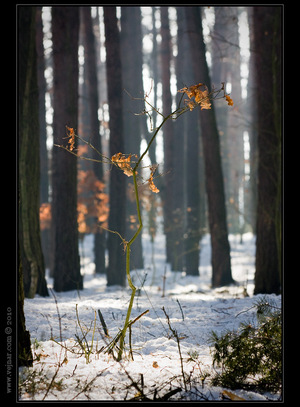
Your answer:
<point x="74" y="368"/>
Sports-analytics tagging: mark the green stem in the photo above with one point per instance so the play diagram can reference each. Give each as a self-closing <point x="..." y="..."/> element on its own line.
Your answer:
<point x="133" y="288"/>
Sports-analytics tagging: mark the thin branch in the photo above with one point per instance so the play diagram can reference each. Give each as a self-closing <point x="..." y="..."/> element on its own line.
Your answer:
<point x="79" y="156"/>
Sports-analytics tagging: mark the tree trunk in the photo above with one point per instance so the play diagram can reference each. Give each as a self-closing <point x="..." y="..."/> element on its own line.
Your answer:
<point x="252" y="114"/>
<point x="132" y="65"/>
<point x="44" y="162"/>
<point x="154" y="69"/>
<point x="94" y="137"/>
<point x="116" y="272"/>
<point x="221" y="267"/>
<point x="187" y="159"/>
<point x="29" y="163"/>
<point x="226" y="68"/>
<point x="179" y="192"/>
<point x="65" y="31"/>
<point x="167" y="133"/>
<point x="267" y="46"/>
<point x="192" y="232"/>
<point x="24" y="346"/>
<point x="44" y="182"/>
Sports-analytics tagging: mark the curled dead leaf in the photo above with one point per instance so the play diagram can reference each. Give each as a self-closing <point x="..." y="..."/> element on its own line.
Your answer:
<point x="71" y="136"/>
<point x="229" y="100"/>
<point x="123" y="162"/>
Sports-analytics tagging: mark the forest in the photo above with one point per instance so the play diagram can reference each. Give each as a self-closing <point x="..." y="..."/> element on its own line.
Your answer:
<point x="149" y="143"/>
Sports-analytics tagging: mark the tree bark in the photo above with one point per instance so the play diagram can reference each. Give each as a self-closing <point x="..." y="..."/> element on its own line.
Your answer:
<point x="167" y="133"/>
<point x="252" y="114"/>
<point x="221" y="264"/>
<point x="179" y="190"/>
<point x="95" y="139"/>
<point x="226" y="68"/>
<point x="267" y="46"/>
<point x="132" y="65"/>
<point x="116" y="272"/>
<point x="29" y="163"/>
<point x="65" y="31"/>
<point x="187" y="159"/>
<point x="44" y="162"/>
<point x="25" y="357"/>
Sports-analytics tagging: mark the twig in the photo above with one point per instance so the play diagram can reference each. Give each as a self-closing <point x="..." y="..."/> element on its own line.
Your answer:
<point x="89" y="383"/>
<point x="50" y="385"/>
<point x="57" y="310"/>
<point x="175" y="334"/>
<point x="85" y="347"/>
<point x="180" y="309"/>
<point x="164" y="282"/>
<point x="103" y="323"/>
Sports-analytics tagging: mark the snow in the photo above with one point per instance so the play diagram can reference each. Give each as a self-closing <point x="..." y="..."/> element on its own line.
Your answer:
<point x="61" y="370"/>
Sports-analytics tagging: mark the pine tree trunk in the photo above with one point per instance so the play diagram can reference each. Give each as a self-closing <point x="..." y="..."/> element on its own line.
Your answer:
<point x="226" y="68"/>
<point x="44" y="162"/>
<point x="167" y="133"/>
<point x="192" y="233"/>
<point x="116" y="272"/>
<point x="24" y="346"/>
<point x="179" y="190"/>
<point x="132" y="65"/>
<point x="267" y="46"/>
<point x="252" y="114"/>
<point x="221" y="264"/>
<point x="94" y="137"/>
<point x="65" y="31"/>
<point x="29" y="228"/>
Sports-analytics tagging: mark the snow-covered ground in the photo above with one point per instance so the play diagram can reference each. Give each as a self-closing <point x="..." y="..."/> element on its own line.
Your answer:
<point x="62" y="371"/>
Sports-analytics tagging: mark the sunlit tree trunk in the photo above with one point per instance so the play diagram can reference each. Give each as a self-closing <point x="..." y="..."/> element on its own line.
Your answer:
<point x="252" y="119"/>
<point x="167" y="189"/>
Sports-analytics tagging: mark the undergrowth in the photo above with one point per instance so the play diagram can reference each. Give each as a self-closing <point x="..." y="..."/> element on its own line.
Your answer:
<point x="251" y="357"/>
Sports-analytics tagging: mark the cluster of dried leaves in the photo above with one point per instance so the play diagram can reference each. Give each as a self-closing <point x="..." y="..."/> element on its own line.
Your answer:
<point x="198" y="97"/>
<point x="71" y="136"/>
<point x="124" y="163"/>
<point x="201" y="97"/>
